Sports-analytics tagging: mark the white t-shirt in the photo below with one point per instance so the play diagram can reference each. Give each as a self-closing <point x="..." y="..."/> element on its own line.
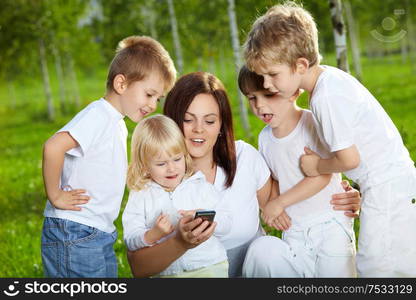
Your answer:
<point x="144" y="206"/>
<point x="98" y="165"/>
<point x="282" y="155"/>
<point x="346" y="114"/>
<point x="251" y="175"/>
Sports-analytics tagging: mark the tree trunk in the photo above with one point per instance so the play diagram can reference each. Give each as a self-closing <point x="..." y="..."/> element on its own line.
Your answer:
<point x="149" y="18"/>
<point x="175" y="34"/>
<point x="237" y="63"/>
<point x="411" y="36"/>
<point x="355" y="47"/>
<point x="404" y="50"/>
<point x="339" y="34"/>
<point x="61" y="81"/>
<point x="46" y="82"/>
<point x="222" y="61"/>
<point x="73" y="77"/>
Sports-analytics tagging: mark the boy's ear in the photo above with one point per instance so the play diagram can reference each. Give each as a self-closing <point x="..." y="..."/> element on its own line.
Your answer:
<point x="119" y="83"/>
<point x="302" y="65"/>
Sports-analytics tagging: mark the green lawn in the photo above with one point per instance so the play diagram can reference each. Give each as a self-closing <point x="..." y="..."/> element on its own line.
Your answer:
<point x="24" y="129"/>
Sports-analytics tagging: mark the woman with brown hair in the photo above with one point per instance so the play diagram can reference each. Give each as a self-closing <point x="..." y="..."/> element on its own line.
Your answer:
<point x="199" y="104"/>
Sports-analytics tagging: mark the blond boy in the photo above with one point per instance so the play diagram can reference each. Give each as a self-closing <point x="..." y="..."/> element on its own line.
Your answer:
<point x="317" y="241"/>
<point x="282" y="46"/>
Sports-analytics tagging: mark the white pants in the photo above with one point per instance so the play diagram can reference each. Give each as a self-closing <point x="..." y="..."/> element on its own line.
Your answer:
<point x="387" y="237"/>
<point x="219" y="270"/>
<point x="325" y="249"/>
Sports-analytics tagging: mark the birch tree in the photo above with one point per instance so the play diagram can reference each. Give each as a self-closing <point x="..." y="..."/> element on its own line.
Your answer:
<point x="175" y="34"/>
<point x="339" y="34"/>
<point x="45" y="79"/>
<point x="73" y="78"/>
<point x="237" y="63"/>
<point x="411" y="36"/>
<point x="60" y="76"/>
<point x="354" y="40"/>
<point x="149" y="18"/>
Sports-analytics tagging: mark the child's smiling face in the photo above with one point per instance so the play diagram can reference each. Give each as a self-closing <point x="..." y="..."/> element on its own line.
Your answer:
<point x="140" y="98"/>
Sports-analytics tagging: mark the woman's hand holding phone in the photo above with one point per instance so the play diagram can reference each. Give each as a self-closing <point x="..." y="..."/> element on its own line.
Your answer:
<point x="192" y="232"/>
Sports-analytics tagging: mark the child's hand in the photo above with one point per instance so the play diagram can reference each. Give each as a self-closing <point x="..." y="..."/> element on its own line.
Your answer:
<point x="309" y="163"/>
<point x="271" y="211"/>
<point x="185" y="213"/>
<point x="69" y="200"/>
<point x="163" y="226"/>
<point x="282" y="222"/>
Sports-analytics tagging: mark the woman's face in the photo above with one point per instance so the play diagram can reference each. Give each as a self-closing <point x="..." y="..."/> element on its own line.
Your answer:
<point x="201" y="126"/>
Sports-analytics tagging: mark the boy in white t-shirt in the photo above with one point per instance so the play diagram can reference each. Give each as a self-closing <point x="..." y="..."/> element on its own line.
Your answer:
<point x="365" y="144"/>
<point x="320" y="241"/>
<point x="85" y="163"/>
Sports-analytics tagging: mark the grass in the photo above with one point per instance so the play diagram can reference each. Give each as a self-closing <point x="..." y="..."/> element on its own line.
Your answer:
<point x="24" y="128"/>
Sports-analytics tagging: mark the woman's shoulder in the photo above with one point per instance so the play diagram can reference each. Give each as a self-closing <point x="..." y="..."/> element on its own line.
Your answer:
<point x="244" y="149"/>
<point x="251" y="167"/>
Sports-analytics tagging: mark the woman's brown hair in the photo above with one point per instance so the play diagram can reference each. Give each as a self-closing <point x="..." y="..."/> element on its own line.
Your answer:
<point x="181" y="96"/>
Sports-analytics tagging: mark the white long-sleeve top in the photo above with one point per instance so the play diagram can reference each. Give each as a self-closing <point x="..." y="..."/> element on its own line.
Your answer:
<point x="144" y="206"/>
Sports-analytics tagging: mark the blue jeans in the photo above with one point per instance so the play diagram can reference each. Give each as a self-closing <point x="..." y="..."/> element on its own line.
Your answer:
<point x="71" y="249"/>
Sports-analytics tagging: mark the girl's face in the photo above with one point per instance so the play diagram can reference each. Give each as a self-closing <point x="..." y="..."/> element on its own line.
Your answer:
<point x="167" y="170"/>
<point x="201" y="126"/>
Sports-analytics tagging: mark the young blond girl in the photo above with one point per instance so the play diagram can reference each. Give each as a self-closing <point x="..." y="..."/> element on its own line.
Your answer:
<point x="163" y="188"/>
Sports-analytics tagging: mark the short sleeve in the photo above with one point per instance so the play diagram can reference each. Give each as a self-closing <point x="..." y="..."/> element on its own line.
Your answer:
<point x="223" y="215"/>
<point x="334" y="117"/>
<point x="255" y="163"/>
<point x="261" y="144"/>
<point x="134" y="222"/>
<point x="311" y="137"/>
<point x="85" y="128"/>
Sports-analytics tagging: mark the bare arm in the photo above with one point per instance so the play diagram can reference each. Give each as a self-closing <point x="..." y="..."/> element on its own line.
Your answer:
<point x="343" y="160"/>
<point x="304" y="189"/>
<point x="263" y="194"/>
<point x="149" y="261"/>
<point x="53" y="160"/>
<point x="313" y="165"/>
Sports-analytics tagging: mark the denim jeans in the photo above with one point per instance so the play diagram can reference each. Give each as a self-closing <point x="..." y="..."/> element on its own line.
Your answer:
<point x="71" y="249"/>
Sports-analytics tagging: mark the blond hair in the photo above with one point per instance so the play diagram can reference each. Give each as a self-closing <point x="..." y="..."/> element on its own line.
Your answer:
<point x="136" y="57"/>
<point x="283" y="34"/>
<point x="152" y="136"/>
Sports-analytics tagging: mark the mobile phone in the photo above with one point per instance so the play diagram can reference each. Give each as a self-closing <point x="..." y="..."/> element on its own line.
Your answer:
<point x="207" y="215"/>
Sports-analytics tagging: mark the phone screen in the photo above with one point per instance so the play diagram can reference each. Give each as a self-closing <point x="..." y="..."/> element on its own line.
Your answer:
<point x="207" y="215"/>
